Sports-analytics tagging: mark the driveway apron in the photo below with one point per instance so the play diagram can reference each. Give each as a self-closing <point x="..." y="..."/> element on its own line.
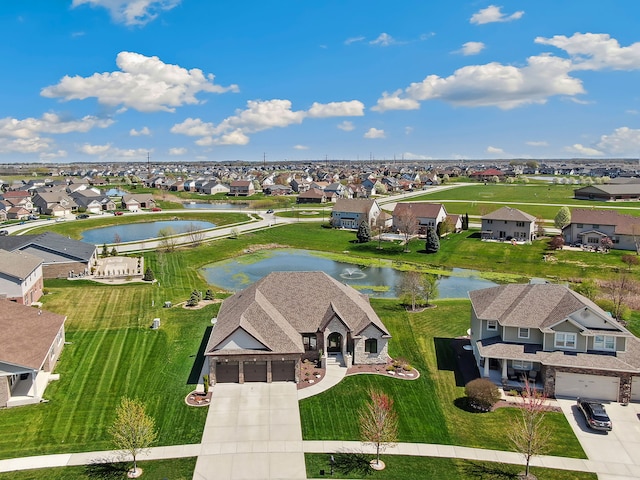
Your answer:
<point x="252" y="432"/>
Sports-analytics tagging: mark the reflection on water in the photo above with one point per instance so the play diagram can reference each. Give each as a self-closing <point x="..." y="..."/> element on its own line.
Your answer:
<point x="238" y="273"/>
<point x="133" y="232"/>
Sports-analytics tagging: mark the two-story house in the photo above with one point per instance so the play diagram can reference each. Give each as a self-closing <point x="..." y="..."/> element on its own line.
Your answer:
<point x="426" y="215"/>
<point x="351" y="212"/>
<point x="589" y="227"/>
<point x="508" y="223"/>
<point x="20" y="277"/>
<point x="554" y="336"/>
<point x="242" y="188"/>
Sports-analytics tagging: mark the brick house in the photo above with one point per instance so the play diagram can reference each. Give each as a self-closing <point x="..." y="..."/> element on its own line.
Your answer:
<point x="263" y="333"/>
<point x="556" y="337"/>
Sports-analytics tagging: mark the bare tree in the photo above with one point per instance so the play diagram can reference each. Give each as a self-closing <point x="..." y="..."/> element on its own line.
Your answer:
<point x="617" y="291"/>
<point x="416" y="287"/>
<point x="540" y="226"/>
<point x="630" y="260"/>
<point x="406" y="222"/>
<point x="527" y="432"/>
<point x="195" y="233"/>
<point x="635" y="231"/>
<point x="167" y="239"/>
<point x="379" y="422"/>
<point x="133" y="431"/>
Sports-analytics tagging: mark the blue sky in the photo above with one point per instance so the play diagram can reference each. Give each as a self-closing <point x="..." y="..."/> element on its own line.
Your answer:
<point x="210" y="80"/>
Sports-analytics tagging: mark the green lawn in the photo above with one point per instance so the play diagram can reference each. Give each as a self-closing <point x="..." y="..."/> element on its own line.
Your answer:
<point x="420" y="468"/>
<point x="427" y="406"/>
<point x="174" y="469"/>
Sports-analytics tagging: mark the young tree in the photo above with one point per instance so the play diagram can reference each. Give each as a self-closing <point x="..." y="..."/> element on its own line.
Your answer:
<point x="416" y="287"/>
<point x="432" y="245"/>
<point x="617" y="291"/>
<point x="196" y="235"/>
<point x="630" y="260"/>
<point x="563" y="218"/>
<point x="105" y="251"/>
<point x="588" y="288"/>
<point x="606" y="243"/>
<point x="527" y="432"/>
<point x="167" y="239"/>
<point x="406" y="222"/>
<point x="556" y="243"/>
<point x="378" y="422"/>
<point x="133" y="431"/>
<point x="540" y="226"/>
<point x="364" y="232"/>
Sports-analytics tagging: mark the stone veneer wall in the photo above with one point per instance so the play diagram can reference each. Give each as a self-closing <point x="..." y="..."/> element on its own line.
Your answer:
<point x="4" y="391"/>
<point x="549" y="378"/>
<point x="363" y="358"/>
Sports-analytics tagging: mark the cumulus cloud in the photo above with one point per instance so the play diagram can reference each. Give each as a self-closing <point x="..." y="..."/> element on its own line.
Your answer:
<point x="416" y="156"/>
<point x="596" y="51"/>
<point x="108" y="150"/>
<point x="131" y="12"/>
<point x="534" y="143"/>
<point x="138" y="133"/>
<point x="143" y="83"/>
<point x="472" y="48"/>
<point x="491" y="84"/>
<point x="300" y="147"/>
<point x="623" y="140"/>
<point x="354" y="108"/>
<point x="177" y="151"/>
<point x="493" y="14"/>
<point x="346" y="126"/>
<point x="495" y="150"/>
<point x="582" y="150"/>
<point x="53" y="155"/>
<point x="374" y="133"/>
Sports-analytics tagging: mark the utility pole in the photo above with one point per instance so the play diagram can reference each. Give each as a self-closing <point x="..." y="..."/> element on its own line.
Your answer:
<point x="148" y="166"/>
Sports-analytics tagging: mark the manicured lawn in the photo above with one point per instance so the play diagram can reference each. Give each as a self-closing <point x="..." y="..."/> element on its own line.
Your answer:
<point x="427" y="406"/>
<point x="420" y="468"/>
<point x="112" y="352"/>
<point x="175" y="469"/>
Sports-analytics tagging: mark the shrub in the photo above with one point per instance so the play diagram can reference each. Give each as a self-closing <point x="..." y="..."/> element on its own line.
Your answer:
<point x="148" y="275"/>
<point x="205" y="381"/>
<point x="556" y="243"/>
<point x="209" y="295"/>
<point x="390" y="368"/>
<point x="482" y="394"/>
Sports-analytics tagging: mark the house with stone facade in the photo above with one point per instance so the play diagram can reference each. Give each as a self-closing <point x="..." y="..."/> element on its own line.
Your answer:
<point x="20" y="277"/>
<point x="556" y="337"/>
<point x="29" y="354"/>
<point x="263" y="332"/>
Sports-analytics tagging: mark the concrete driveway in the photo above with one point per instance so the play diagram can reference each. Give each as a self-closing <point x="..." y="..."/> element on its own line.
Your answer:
<point x="619" y="448"/>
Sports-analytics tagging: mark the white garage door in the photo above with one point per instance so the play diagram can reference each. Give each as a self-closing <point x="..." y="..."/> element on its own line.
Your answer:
<point x="635" y="389"/>
<point x="596" y="387"/>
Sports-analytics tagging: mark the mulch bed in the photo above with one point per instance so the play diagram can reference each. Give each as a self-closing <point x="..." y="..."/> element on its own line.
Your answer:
<point x="381" y="369"/>
<point x="198" y="399"/>
<point x="310" y="374"/>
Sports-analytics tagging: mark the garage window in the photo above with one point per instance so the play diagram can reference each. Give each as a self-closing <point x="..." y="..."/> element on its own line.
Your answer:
<point x="371" y="345"/>
<point x="565" y="340"/>
<point x="604" y="342"/>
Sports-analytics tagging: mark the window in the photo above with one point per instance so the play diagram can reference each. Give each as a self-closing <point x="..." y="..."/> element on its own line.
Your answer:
<point x="604" y="342"/>
<point x="523" y="332"/>
<point x="489" y="222"/>
<point x="371" y="345"/>
<point x="519" y="224"/>
<point x="492" y="325"/>
<point x="596" y="226"/>
<point x="521" y="365"/>
<point x="579" y="225"/>
<point x="309" y="340"/>
<point x="565" y="340"/>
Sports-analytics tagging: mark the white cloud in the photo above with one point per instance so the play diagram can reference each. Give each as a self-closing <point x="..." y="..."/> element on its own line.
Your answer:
<point x="177" y="151"/>
<point x="596" y="51"/>
<point x="472" y="48"/>
<point x="300" y="147"/>
<point x="354" y="108"/>
<point x="632" y="111"/>
<point x="194" y="127"/>
<point x="94" y="149"/>
<point x="137" y="133"/>
<point x="108" y="150"/>
<point x="53" y="155"/>
<point x="25" y="145"/>
<point x="491" y="84"/>
<point x="582" y="150"/>
<point x="384" y="40"/>
<point x="415" y="156"/>
<point x="131" y="12"/>
<point x="351" y="40"/>
<point x="623" y="140"/>
<point x="347" y="126"/>
<point x="374" y="133"/>
<point x="493" y="14"/>
<point x="408" y="130"/>
<point x="143" y="83"/>
<point x="262" y="115"/>
<point x="495" y="150"/>
<point x="541" y="143"/>
<point x="236" y="137"/>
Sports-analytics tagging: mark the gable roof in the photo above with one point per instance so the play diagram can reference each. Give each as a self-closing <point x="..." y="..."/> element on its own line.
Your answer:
<point x="32" y="334"/>
<point x="353" y="205"/>
<point x="509" y="214"/>
<point x="18" y="265"/>
<point x="269" y="312"/>
<point x="419" y="209"/>
<point x="49" y="246"/>
<point x="624" y="224"/>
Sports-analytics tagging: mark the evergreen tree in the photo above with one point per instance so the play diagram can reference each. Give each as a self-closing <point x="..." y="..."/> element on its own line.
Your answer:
<point x="105" y="251"/>
<point x="433" y="243"/>
<point x="148" y="275"/>
<point x="364" y="232"/>
<point x="466" y="222"/>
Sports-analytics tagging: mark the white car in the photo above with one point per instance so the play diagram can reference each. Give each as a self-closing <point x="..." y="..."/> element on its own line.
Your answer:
<point x="61" y="219"/>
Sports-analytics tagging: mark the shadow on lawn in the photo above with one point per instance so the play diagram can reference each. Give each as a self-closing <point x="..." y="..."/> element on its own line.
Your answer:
<point x="451" y="356"/>
<point x="493" y="471"/>
<point x="106" y="468"/>
<point x="198" y="362"/>
<point x="352" y="462"/>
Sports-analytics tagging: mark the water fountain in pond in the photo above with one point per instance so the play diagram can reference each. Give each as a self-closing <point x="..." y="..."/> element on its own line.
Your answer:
<point x="353" y="274"/>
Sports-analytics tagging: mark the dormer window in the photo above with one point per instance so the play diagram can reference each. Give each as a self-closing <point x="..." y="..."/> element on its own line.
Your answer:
<point x="565" y="340"/>
<point x="604" y="342"/>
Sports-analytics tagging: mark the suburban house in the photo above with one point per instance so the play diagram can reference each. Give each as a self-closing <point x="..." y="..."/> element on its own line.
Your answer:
<point x="29" y="353"/>
<point x="20" y="277"/>
<point x="313" y="195"/>
<point x="424" y="215"/>
<point x="60" y="255"/>
<point x="213" y="187"/>
<point x="263" y="333"/>
<point x="134" y="203"/>
<point x="629" y="192"/>
<point x="351" y="212"/>
<point x="508" y="223"/>
<point x="18" y="213"/>
<point x="93" y="202"/>
<point x="556" y="337"/>
<point x="241" y="188"/>
<point x="487" y="175"/>
<point x="57" y="204"/>
<point x="589" y="227"/>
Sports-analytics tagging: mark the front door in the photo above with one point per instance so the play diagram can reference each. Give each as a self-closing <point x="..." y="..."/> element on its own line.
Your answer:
<point x="334" y="343"/>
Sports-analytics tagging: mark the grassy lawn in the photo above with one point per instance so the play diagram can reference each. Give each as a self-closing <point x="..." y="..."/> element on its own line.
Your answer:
<point x="112" y="352"/>
<point x="427" y="406"/>
<point x="175" y="469"/>
<point x="419" y="468"/>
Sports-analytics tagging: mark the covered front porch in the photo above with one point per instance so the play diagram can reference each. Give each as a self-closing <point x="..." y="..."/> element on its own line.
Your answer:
<point x="510" y="364"/>
<point x="29" y="387"/>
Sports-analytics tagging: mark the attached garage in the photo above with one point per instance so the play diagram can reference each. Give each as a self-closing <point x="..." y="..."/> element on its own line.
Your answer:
<point x="635" y="389"/>
<point x="597" y="387"/>
<point x="255" y="371"/>
<point x="227" y="372"/>
<point x="283" y="371"/>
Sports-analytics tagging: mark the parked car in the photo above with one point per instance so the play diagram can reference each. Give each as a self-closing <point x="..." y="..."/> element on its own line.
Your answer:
<point x="156" y="209"/>
<point x="61" y="219"/>
<point x="4" y="233"/>
<point x="270" y="210"/>
<point x="118" y="213"/>
<point x="82" y="216"/>
<point x="34" y="217"/>
<point x="595" y="414"/>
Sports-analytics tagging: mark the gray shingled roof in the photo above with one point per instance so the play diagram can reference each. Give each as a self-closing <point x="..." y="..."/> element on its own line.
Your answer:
<point x="49" y="246"/>
<point x="278" y="308"/>
<point x="509" y="214"/>
<point x="624" y="224"/>
<point x="18" y="264"/>
<point x="418" y="209"/>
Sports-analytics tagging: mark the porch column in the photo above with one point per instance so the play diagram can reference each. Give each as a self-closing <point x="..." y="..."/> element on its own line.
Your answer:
<point x="240" y="371"/>
<point x="485" y="373"/>
<point x="504" y="369"/>
<point x="34" y="384"/>
<point x="269" y="372"/>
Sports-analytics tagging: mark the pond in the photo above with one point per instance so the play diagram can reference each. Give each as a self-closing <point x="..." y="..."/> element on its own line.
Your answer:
<point x="376" y="281"/>
<point x="133" y="232"/>
<point x="217" y="206"/>
<point x="115" y="192"/>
